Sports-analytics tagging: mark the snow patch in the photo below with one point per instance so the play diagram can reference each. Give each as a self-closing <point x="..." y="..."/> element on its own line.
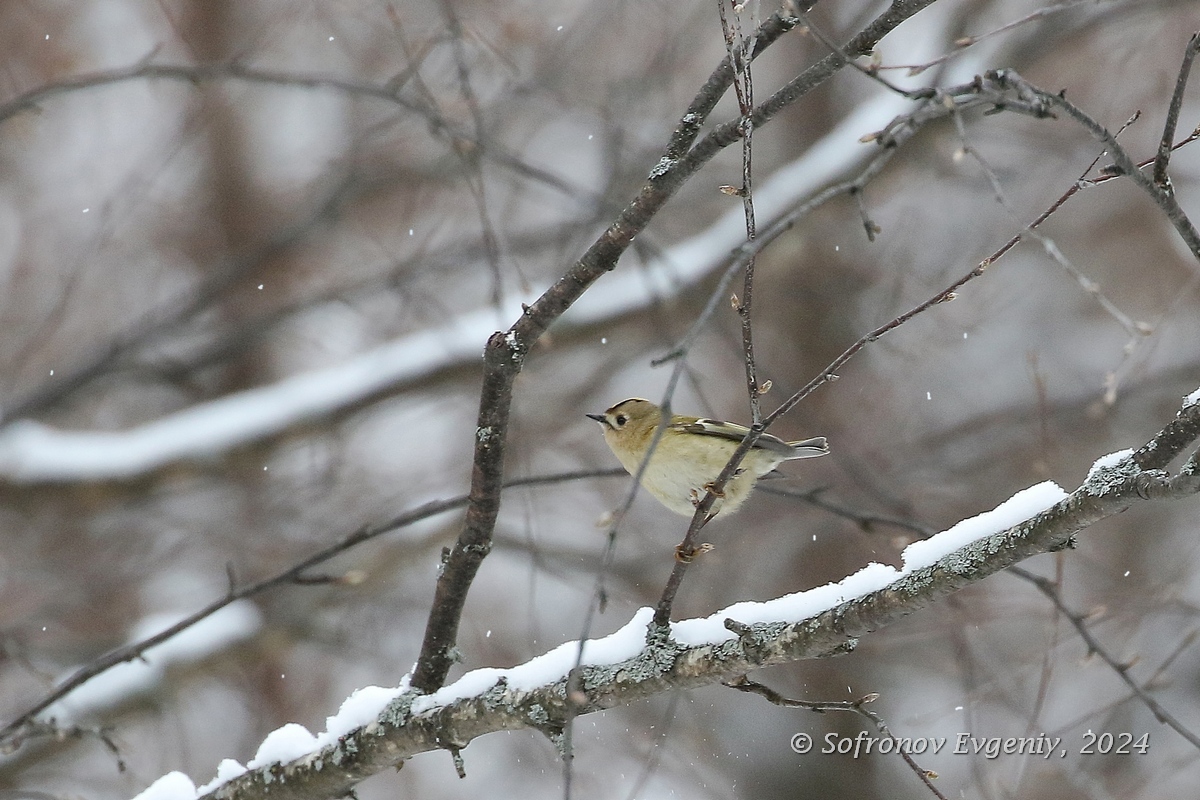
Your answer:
<point x="284" y="744"/>
<point x="873" y="577"/>
<point x="172" y="786"/>
<point x="364" y="706"/>
<point x="1107" y="463"/>
<point x="548" y="667"/>
<point x="1023" y="505"/>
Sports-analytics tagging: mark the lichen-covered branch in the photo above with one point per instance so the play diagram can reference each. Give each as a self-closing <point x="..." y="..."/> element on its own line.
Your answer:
<point x="664" y="664"/>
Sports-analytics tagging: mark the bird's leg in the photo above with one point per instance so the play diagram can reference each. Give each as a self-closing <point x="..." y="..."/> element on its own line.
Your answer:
<point x="688" y="555"/>
<point x="698" y="498"/>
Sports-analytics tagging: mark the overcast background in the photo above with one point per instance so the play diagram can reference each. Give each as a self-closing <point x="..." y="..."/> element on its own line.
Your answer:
<point x="166" y="243"/>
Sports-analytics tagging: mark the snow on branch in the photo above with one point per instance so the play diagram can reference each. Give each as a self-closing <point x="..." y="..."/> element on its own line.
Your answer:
<point x="639" y="660"/>
<point x="377" y="728"/>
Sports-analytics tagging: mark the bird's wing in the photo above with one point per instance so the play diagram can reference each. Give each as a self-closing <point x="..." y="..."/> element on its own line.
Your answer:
<point x="731" y="430"/>
<point x="810" y="448"/>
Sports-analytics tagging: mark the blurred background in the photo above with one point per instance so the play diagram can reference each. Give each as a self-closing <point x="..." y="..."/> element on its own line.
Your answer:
<point x="324" y="259"/>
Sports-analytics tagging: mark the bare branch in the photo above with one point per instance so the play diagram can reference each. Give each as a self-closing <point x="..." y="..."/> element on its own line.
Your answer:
<point x="1050" y="590"/>
<point x="744" y="684"/>
<point x="743" y="86"/>
<point x="26" y="725"/>
<point x="506" y="351"/>
<point x="968" y="41"/>
<point x="1165" y="145"/>
<point x="1125" y="164"/>
<point x="665" y="664"/>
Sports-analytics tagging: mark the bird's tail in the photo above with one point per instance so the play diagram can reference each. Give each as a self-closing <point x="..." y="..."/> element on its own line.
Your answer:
<point x="809" y="448"/>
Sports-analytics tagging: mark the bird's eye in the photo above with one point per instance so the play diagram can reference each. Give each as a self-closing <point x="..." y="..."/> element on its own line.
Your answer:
<point x="620" y="420"/>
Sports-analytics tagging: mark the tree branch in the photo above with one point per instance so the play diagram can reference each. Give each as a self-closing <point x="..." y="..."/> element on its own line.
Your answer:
<point x="505" y="354"/>
<point x="415" y="723"/>
<point x="1125" y="164"/>
<point x="26" y="726"/>
<point x="1168" y="137"/>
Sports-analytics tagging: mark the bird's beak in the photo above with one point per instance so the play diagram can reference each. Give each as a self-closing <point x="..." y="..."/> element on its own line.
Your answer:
<point x="598" y="417"/>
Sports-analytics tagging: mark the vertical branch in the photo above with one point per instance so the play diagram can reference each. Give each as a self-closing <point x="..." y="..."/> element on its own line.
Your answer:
<point x="864" y="41"/>
<point x="687" y="549"/>
<point x="1079" y="621"/>
<point x="1168" y="138"/>
<point x="504" y="358"/>
<point x="744" y="684"/>
<point x="502" y="361"/>
<point x="740" y="54"/>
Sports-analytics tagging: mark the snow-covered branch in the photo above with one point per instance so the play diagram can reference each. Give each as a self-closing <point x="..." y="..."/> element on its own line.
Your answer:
<point x="379" y="728"/>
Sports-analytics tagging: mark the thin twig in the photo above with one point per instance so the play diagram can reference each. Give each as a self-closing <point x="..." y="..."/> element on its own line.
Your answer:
<point x="599" y="597"/>
<point x="390" y="92"/>
<point x="748" y="250"/>
<point x="866" y="520"/>
<point x="656" y="749"/>
<point x="871" y="71"/>
<point x="1137" y="330"/>
<point x="1100" y="711"/>
<point x="179" y="309"/>
<point x="967" y="41"/>
<point x="743" y="86"/>
<point x="1161" y="180"/>
<point x="103" y="358"/>
<point x="688" y="128"/>
<point x="663" y="665"/>
<point x="1050" y="590"/>
<point x="662" y="611"/>
<point x="472" y="155"/>
<point x="20" y="728"/>
<point x="744" y="684"/>
<point x="50" y="729"/>
<point x="1028" y="100"/>
<point x="1165" y="200"/>
<point x="1047" y="673"/>
<point x="899" y="130"/>
<point x="1085" y="183"/>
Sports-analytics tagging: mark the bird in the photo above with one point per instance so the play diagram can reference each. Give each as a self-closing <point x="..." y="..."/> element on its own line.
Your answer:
<point x="691" y="453"/>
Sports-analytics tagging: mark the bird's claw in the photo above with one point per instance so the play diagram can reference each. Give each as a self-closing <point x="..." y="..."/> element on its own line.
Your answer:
<point x="685" y="555"/>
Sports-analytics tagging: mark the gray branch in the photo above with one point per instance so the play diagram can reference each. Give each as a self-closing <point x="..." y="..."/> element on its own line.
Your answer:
<point x="665" y="665"/>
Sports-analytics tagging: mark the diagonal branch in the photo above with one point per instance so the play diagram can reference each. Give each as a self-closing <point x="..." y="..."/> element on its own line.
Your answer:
<point x="859" y="706"/>
<point x="1168" y="137"/>
<point x="740" y="56"/>
<point x="102" y="359"/>
<point x="1021" y="97"/>
<point x="25" y="726"/>
<point x="1125" y="164"/>
<point x="688" y="654"/>
<point x="506" y="351"/>
<point x="1050" y="590"/>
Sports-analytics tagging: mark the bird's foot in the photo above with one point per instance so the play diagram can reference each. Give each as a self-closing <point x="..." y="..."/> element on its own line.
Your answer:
<point x="687" y="555"/>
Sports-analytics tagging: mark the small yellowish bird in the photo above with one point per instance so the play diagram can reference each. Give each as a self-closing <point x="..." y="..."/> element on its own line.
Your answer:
<point x="691" y="453"/>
